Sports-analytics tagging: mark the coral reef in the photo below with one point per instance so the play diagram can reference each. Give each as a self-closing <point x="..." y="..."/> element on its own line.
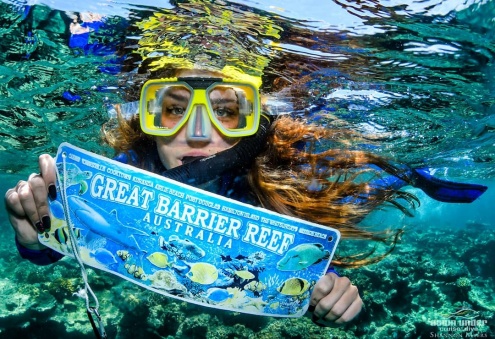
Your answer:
<point x="410" y="294"/>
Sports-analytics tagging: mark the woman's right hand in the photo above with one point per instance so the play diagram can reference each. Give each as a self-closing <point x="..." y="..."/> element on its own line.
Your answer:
<point x="27" y="204"/>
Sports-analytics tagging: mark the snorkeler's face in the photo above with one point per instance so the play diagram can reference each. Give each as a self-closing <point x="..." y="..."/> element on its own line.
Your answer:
<point x="174" y="149"/>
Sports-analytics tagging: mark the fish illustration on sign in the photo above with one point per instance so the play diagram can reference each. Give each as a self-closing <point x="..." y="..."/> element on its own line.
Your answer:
<point x="218" y="295"/>
<point x="62" y="236"/>
<point x="74" y="175"/>
<point x="104" y="224"/>
<point x="124" y="255"/>
<point x="302" y="256"/>
<point x="159" y="260"/>
<point x="166" y="280"/>
<point x="202" y="273"/>
<point x="244" y="275"/>
<point x="294" y="286"/>
<point x="183" y="249"/>
<point x="135" y="270"/>
<point x="256" y="287"/>
<point x="104" y="257"/>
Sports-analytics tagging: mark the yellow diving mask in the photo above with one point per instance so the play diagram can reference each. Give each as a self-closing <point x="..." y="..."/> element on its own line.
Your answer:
<point x="166" y="105"/>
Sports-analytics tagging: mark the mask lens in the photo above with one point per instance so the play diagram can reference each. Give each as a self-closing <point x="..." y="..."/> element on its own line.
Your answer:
<point x="232" y="107"/>
<point x="166" y="108"/>
<point x="174" y="105"/>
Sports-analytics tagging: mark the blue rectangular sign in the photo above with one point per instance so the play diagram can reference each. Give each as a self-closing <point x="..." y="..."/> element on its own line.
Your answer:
<point x="184" y="242"/>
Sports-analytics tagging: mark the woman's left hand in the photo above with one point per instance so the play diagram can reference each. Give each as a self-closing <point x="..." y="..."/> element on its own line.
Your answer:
<point x="335" y="300"/>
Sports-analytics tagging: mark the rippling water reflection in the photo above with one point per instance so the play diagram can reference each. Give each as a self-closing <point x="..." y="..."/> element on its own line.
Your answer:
<point x="414" y="76"/>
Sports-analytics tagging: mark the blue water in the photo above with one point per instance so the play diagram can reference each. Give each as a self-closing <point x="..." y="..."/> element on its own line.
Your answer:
<point x="415" y="77"/>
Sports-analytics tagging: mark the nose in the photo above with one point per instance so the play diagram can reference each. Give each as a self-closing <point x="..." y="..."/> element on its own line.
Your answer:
<point x="199" y="125"/>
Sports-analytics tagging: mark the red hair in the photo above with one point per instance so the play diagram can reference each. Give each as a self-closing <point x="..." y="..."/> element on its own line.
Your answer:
<point x="330" y="187"/>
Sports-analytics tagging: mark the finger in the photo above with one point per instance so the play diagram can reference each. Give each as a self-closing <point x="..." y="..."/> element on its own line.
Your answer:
<point x="327" y="303"/>
<point x="48" y="172"/>
<point x="343" y="303"/>
<point x="351" y="312"/>
<point x="322" y="288"/>
<point x="28" y="204"/>
<point x="13" y="203"/>
<point x="38" y="190"/>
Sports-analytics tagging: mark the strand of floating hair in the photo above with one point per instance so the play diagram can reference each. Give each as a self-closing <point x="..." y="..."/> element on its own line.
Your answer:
<point x="73" y="242"/>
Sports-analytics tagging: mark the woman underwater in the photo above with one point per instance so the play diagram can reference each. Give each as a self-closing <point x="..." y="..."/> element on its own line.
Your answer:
<point x="261" y="160"/>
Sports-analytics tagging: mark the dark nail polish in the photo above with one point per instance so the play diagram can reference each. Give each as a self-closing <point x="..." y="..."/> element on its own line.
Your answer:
<point x="52" y="191"/>
<point x="46" y="223"/>
<point x="39" y="227"/>
<point x="311" y="308"/>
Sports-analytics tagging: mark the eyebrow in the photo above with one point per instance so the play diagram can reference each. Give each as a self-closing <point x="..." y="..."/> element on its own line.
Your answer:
<point x="223" y="101"/>
<point x="176" y="96"/>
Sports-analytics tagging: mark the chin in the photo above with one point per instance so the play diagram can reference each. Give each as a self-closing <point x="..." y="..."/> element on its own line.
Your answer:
<point x="175" y="164"/>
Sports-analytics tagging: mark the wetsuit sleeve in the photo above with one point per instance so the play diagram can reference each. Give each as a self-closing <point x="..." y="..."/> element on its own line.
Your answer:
<point x="331" y="269"/>
<point x="42" y="257"/>
<point x="129" y="158"/>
